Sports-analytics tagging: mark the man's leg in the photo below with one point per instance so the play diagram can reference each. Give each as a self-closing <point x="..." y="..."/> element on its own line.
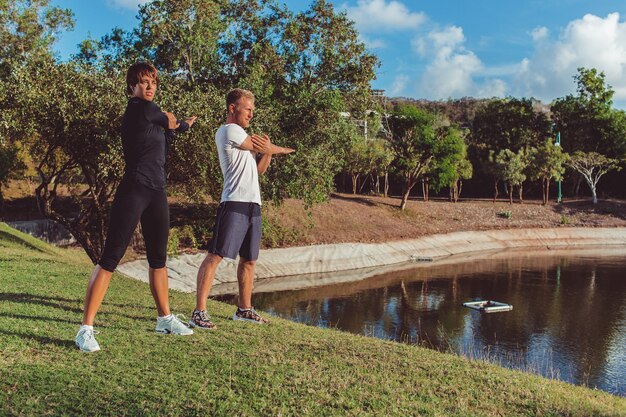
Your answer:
<point x="206" y="274"/>
<point x="248" y="254"/>
<point x="245" y="278"/>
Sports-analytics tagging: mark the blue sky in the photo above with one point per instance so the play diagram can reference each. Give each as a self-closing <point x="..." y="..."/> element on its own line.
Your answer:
<point x="451" y="49"/>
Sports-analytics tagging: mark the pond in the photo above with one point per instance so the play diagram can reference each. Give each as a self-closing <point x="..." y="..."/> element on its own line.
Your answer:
<point x="568" y="319"/>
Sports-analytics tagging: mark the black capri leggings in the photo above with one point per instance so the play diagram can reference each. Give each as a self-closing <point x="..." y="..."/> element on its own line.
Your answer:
<point x="134" y="202"/>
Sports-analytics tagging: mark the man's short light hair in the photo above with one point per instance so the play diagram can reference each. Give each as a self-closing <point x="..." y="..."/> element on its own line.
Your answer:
<point x="235" y="94"/>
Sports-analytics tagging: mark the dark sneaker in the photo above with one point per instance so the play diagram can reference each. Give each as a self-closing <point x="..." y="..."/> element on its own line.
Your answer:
<point x="201" y="320"/>
<point x="249" y="315"/>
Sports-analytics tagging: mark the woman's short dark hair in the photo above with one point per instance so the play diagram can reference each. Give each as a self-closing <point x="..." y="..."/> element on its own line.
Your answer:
<point x="138" y="70"/>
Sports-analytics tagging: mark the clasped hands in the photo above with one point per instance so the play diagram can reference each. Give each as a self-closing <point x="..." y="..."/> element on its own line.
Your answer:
<point x="172" y="123"/>
<point x="264" y="145"/>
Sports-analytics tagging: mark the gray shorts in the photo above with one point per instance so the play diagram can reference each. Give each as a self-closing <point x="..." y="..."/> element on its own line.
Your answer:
<point x="237" y="230"/>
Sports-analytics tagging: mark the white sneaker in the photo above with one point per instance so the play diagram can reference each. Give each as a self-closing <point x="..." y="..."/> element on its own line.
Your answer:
<point x="86" y="341"/>
<point x="172" y="325"/>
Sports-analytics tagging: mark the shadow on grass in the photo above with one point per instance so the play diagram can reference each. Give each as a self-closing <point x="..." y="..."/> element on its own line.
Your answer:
<point x="603" y="207"/>
<point x="44" y="340"/>
<point x="38" y="318"/>
<point x="48" y="301"/>
<point x="58" y="302"/>
<point x="360" y="199"/>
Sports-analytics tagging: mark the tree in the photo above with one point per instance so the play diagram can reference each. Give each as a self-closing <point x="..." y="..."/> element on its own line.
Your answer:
<point x="356" y="162"/>
<point x="70" y="124"/>
<point x="592" y="166"/>
<point x="28" y="28"/>
<point x="9" y="162"/>
<point x="509" y="123"/>
<point x="587" y="121"/>
<point x="547" y="162"/>
<point x="181" y="36"/>
<point x="511" y="166"/>
<point x="380" y="159"/>
<point x="451" y="164"/>
<point x="413" y="140"/>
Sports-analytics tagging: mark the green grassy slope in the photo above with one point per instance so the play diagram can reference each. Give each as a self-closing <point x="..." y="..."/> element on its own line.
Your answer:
<point x="239" y="369"/>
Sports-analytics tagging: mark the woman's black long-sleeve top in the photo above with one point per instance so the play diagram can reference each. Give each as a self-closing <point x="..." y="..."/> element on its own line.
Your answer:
<point x="145" y="140"/>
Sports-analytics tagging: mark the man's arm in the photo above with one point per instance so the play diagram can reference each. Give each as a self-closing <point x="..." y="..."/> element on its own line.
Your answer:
<point x="262" y="145"/>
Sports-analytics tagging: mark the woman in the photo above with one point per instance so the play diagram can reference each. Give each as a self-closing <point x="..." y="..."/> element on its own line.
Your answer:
<point x="141" y="197"/>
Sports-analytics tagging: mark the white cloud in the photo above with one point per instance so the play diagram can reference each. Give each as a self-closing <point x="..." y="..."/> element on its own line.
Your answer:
<point x="398" y="86"/>
<point x="591" y="42"/>
<point x="127" y="4"/>
<point x="539" y="34"/>
<point x="452" y="70"/>
<point x="380" y="15"/>
<point x="372" y="43"/>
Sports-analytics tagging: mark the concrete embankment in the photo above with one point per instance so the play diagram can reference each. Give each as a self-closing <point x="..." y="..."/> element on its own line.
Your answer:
<point x="299" y="267"/>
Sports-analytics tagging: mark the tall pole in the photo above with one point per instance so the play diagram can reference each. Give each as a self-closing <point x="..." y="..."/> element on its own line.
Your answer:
<point x="559" y="195"/>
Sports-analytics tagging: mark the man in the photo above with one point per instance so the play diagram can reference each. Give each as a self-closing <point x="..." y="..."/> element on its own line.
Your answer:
<point x="237" y="227"/>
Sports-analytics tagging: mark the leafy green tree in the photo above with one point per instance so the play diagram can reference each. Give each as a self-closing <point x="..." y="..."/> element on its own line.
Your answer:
<point x="413" y="141"/>
<point x="586" y="120"/>
<point x="380" y="159"/>
<point x="512" y="166"/>
<point x="592" y="166"/>
<point x="509" y="123"/>
<point x="547" y="162"/>
<point x="181" y="36"/>
<point x="356" y="162"/>
<point x="451" y="165"/>
<point x="69" y="121"/>
<point x="28" y="28"/>
<point x="9" y="162"/>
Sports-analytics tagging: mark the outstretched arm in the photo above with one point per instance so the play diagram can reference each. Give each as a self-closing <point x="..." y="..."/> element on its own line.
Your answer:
<point x="263" y="145"/>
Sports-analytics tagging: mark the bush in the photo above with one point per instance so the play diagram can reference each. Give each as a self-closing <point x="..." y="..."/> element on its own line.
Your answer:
<point x="181" y="237"/>
<point x="277" y="235"/>
<point x="505" y="214"/>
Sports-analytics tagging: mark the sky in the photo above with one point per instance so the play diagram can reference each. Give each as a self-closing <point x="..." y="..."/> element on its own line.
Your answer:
<point x="445" y="49"/>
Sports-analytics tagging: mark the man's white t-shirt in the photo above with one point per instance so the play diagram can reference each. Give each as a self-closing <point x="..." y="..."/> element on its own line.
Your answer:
<point x="241" y="176"/>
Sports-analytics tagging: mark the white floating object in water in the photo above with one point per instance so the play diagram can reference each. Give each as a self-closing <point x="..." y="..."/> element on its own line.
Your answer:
<point x="416" y="258"/>
<point x="488" y="306"/>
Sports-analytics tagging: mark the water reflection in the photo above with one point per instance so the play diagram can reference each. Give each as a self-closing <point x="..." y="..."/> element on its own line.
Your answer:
<point x="568" y="321"/>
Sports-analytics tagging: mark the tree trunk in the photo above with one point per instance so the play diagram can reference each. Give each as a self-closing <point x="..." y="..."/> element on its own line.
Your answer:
<point x="362" y="185"/>
<point x="577" y="185"/>
<point x="510" y="190"/>
<point x="386" y="183"/>
<point x="547" y="190"/>
<point x="460" y="189"/>
<point x="355" y="181"/>
<point x="425" y="188"/>
<point x="521" y="189"/>
<point x="495" y="187"/>
<point x="405" y="194"/>
<point x="594" y="197"/>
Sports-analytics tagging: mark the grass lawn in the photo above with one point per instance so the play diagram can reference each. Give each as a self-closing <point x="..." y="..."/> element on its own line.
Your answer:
<point x="239" y="369"/>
